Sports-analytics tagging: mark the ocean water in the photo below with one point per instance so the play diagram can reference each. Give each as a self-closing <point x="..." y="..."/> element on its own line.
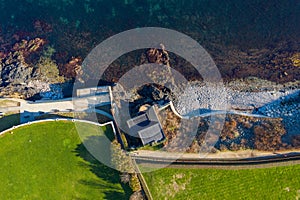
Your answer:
<point x="248" y="23"/>
<point x="239" y="35"/>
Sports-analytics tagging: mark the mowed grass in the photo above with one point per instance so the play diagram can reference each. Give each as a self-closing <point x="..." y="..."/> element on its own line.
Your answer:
<point x="268" y="183"/>
<point x="48" y="161"/>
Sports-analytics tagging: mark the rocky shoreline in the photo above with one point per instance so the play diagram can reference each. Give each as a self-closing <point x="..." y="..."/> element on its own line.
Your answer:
<point x="279" y="101"/>
<point x="235" y="95"/>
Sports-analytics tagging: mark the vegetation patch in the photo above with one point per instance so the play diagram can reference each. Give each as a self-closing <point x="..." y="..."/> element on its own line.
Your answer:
<point x="238" y="133"/>
<point x="8" y="103"/>
<point x="267" y="183"/>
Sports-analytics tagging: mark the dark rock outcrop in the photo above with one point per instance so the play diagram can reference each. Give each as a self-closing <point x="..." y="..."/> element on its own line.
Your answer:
<point x="21" y="75"/>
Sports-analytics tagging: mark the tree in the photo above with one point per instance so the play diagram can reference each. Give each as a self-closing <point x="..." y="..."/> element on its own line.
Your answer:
<point x="48" y="69"/>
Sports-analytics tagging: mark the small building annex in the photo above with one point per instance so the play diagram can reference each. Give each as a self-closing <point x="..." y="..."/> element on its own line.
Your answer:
<point x="146" y="127"/>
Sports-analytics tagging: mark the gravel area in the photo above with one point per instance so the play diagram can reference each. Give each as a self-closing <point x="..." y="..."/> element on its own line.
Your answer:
<point x="200" y="99"/>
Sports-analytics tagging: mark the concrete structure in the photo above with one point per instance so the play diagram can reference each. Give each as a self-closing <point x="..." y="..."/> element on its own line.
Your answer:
<point x="146" y="127"/>
<point x="92" y="91"/>
<point x="87" y="101"/>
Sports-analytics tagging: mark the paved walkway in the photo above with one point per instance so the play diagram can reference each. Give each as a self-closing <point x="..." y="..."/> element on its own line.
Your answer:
<point x="241" y="154"/>
<point x="243" y="159"/>
<point x="219" y="112"/>
<point x="29" y="109"/>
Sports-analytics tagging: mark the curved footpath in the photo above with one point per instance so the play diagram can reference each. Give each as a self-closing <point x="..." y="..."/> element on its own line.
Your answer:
<point x="217" y="112"/>
<point x="60" y="119"/>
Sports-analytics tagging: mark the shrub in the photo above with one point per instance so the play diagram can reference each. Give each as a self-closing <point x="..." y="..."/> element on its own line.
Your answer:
<point x="48" y="69"/>
<point x="134" y="183"/>
<point x="120" y="160"/>
<point x="124" y="140"/>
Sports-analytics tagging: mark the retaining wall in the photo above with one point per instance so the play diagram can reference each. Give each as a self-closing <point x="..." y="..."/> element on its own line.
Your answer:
<point x="60" y="119"/>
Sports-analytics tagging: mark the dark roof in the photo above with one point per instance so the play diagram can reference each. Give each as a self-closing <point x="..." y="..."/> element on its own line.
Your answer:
<point x="151" y="134"/>
<point x="146" y="126"/>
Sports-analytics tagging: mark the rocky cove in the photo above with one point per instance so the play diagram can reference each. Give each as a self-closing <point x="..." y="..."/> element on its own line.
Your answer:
<point x="62" y="39"/>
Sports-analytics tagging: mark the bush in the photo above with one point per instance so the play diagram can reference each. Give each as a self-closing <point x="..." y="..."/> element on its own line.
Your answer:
<point x="120" y="160"/>
<point x="125" y="177"/>
<point x="124" y="140"/>
<point x="48" y="69"/>
<point x="134" y="183"/>
<point x="268" y="135"/>
<point x="137" y="196"/>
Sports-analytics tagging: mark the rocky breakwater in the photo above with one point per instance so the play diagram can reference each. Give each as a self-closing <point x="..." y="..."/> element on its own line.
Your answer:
<point x="27" y="71"/>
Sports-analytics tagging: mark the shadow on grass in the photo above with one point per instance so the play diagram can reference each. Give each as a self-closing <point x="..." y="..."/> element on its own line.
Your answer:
<point x="9" y="121"/>
<point x="52" y="116"/>
<point x="108" y="177"/>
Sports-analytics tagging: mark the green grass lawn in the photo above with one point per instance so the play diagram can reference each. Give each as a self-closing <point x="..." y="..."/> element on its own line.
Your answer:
<point x="268" y="183"/>
<point x="48" y="161"/>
